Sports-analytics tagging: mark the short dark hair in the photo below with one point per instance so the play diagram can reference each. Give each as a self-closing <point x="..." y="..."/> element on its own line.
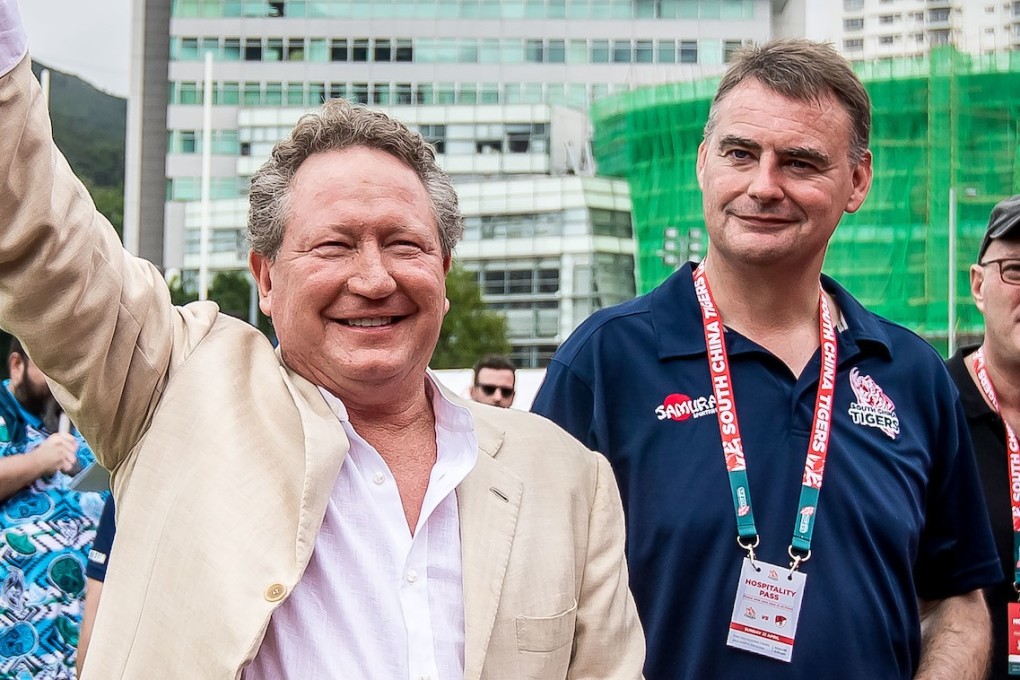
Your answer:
<point x="17" y="348"/>
<point x="494" y="361"/>
<point x="803" y="70"/>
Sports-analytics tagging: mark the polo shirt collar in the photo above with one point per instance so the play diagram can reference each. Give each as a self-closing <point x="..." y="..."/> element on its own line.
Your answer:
<point x="675" y="311"/>
<point x="974" y="405"/>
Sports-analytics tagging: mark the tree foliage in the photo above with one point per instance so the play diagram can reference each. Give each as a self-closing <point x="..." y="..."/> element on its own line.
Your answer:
<point x="470" y="329"/>
<point x="231" y="290"/>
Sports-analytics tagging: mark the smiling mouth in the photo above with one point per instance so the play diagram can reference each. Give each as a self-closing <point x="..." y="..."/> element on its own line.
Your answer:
<point x="371" y="322"/>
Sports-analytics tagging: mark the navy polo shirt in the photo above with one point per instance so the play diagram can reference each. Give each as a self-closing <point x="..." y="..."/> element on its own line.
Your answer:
<point x="900" y="516"/>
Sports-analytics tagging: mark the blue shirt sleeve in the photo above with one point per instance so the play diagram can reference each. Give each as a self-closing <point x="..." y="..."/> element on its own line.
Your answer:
<point x="567" y="401"/>
<point x="956" y="554"/>
<point x="99" y="556"/>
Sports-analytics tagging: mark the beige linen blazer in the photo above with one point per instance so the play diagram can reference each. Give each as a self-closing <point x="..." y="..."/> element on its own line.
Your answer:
<point x="223" y="460"/>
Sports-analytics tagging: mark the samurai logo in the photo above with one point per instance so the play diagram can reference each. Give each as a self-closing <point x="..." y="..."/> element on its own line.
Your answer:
<point x="873" y="408"/>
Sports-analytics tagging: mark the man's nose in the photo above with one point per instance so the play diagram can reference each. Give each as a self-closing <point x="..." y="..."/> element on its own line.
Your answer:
<point x="372" y="277"/>
<point x="766" y="183"/>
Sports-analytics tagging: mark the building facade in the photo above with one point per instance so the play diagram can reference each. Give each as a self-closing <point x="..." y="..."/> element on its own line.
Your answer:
<point x="500" y="87"/>
<point x="869" y="29"/>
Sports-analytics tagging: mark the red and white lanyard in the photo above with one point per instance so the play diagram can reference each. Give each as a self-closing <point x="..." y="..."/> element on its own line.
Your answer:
<point x="729" y="427"/>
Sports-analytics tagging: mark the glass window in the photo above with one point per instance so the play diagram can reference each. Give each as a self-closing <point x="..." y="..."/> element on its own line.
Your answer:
<point x="338" y="90"/>
<point x="318" y="50"/>
<point x="853" y="4"/>
<point x="689" y="51"/>
<point x="403" y="94"/>
<point x="253" y="49"/>
<point x="645" y="9"/>
<point x="188" y="50"/>
<point x="468" y="93"/>
<point x="434" y="135"/>
<point x="622" y="52"/>
<point x="488" y="51"/>
<point x="295" y="94"/>
<point x="209" y="45"/>
<point x="251" y="95"/>
<point x="446" y="93"/>
<point x="229" y="93"/>
<point x="853" y="45"/>
<point x="853" y="24"/>
<point x="556" y="52"/>
<point x="274" y="94"/>
<point x="577" y="53"/>
<point x="187" y="141"/>
<point x="316" y="93"/>
<point x="600" y="51"/>
<point x="360" y="50"/>
<point x="231" y="49"/>
<point x="511" y="51"/>
<point x="534" y="53"/>
<point x="383" y="50"/>
<point x="467" y="51"/>
<point x="274" y="50"/>
<point x="381" y="94"/>
<point x="488" y="93"/>
<point x="295" y="49"/>
<point x="359" y="93"/>
<point x="643" y="53"/>
<point x="189" y="93"/>
<point x="665" y="53"/>
<point x="730" y="48"/>
<point x="405" y="50"/>
<point x="338" y="50"/>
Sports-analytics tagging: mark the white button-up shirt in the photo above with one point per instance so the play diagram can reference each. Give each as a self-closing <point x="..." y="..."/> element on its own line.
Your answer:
<point x="375" y="601"/>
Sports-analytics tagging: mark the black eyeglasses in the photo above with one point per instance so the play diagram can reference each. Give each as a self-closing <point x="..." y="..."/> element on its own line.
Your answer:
<point x="1009" y="269"/>
<point x="489" y="390"/>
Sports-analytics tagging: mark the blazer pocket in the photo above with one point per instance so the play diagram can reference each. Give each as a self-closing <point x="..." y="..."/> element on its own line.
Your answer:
<point x="546" y="633"/>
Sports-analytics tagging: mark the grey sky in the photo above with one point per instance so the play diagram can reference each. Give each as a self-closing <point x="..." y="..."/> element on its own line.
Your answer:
<point x="88" y="39"/>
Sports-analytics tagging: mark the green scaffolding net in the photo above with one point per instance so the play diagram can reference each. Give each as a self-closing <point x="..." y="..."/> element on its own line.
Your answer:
<point x="945" y="132"/>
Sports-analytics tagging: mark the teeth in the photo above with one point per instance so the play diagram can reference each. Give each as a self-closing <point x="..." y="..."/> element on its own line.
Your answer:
<point x="369" y="323"/>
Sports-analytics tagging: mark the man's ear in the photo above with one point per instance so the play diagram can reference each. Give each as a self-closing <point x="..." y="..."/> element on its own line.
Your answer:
<point x="260" y="265"/>
<point x="15" y="367"/>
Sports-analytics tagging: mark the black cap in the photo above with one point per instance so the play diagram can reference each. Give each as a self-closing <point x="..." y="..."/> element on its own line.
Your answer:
<point x="1003" y="223"/>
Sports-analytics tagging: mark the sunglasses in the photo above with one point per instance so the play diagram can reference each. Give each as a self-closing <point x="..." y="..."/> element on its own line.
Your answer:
<point x="489" y="390"/>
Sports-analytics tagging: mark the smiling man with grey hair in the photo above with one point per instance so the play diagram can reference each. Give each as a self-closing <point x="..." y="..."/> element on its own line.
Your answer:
<point x="327" y="510"/>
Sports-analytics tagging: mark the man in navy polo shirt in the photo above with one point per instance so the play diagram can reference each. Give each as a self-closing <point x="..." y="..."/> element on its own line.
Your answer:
<point x="801" y="495"/>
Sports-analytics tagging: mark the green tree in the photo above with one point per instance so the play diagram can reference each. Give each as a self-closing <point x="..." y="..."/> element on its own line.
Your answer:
<point x="231" y="290"/>
<point x="470" y="329"/>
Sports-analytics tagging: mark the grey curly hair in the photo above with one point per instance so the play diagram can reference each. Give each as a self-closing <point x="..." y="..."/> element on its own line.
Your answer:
<point x="341" y="125"/>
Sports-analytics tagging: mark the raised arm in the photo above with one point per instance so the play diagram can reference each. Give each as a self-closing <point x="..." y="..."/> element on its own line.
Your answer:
<point x="96" y="320"/>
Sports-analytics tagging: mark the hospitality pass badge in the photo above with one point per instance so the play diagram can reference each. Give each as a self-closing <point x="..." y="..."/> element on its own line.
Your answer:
<point x="766" y="610"/>
<point x="1014" y="638"/>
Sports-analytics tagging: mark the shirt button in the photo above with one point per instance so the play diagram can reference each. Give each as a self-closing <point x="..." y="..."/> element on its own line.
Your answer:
<point x="379" y="478"/>
<point x="275" y="592"/>
<point x="412" y="575"/>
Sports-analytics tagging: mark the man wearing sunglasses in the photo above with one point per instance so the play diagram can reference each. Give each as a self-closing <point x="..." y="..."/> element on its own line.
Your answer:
<point x="494" y="381"/>
<point x="988" y="376"/>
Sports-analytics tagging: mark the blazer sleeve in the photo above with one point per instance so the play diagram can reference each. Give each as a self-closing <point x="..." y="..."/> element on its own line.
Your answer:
<point x="608" y="639"/>
<point x="97" y="321"/>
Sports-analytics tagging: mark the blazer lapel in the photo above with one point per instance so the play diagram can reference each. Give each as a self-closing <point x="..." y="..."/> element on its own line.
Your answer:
<point x="489" y="501"/>
<point x="326" y="446"/>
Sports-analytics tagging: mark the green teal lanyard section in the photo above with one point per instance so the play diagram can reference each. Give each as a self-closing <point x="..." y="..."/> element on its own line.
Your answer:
<point x="805" y="524"/>
<point x="742" y="504"/>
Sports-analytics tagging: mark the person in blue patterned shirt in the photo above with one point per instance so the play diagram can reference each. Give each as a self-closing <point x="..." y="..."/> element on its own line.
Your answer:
<point x="46" y="529"/>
